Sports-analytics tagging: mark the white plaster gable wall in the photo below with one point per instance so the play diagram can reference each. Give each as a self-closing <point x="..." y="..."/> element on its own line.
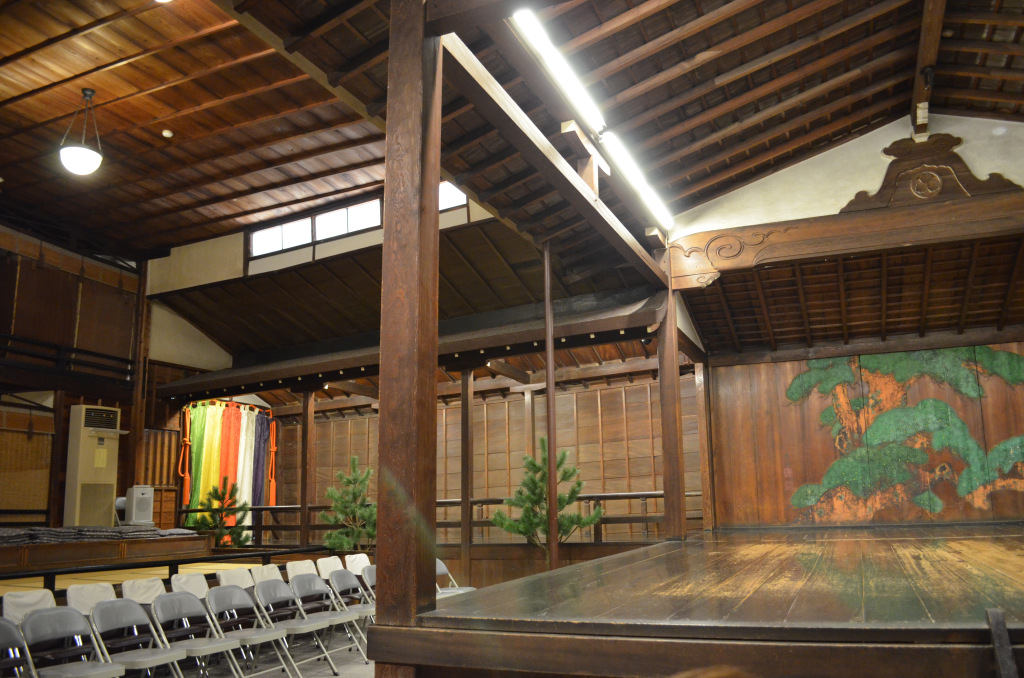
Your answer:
<point x="172" y="339"/>
<point x="824" y="184"/>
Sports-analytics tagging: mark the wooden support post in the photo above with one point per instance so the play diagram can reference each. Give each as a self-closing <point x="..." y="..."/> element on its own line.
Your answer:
<point x="671" y="433"/>
<point x="137" y="424"/>
<point x="701" y="378"/>
<point x="466" y="494"/>
<point x="549" y="368"/>
<point x="408" y="348"/>
<point x="307" y="460"/>
<point x="530" y="422"/>
<point x="58" y="461"/>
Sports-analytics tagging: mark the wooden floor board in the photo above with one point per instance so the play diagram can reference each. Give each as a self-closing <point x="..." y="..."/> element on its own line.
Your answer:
<point x="936" y="579"/>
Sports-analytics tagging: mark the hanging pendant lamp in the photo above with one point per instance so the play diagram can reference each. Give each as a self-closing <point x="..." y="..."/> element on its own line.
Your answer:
<point x="79" y="158"/>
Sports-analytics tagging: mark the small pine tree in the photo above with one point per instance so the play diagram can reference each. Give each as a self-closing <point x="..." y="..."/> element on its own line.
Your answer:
<point x="224" y="516"/>
<point x="354" y="515"/>
<point x="531" y="498"/>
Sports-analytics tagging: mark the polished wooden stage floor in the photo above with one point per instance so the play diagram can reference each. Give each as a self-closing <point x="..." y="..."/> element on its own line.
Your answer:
<point x="895" y="601"/>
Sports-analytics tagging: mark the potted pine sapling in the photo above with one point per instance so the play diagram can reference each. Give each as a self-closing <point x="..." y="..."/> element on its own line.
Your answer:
<point x="224" y="516"/>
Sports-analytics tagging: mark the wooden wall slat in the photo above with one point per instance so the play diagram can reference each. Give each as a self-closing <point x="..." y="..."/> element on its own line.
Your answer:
<point x="611" y="432"/>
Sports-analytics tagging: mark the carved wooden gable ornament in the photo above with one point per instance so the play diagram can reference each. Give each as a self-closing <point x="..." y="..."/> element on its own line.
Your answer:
<point x="929" y="194"/>
<point x="926" y="171"/>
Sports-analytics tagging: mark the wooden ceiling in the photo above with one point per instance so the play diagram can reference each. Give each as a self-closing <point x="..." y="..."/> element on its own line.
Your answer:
<point x="957" y="292"/>
<point x="483" y="267"/>
<point x="710" y="94"/>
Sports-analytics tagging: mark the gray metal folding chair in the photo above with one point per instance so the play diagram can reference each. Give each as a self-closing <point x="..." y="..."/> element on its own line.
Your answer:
<point x="183" y="622"/>
<point x="441" y="570"/>
<point x="282" y="611"/>
<point x="346" y="586"/>
<point x="57" y="637"/>
<point x="193" y="582"/>
<point x="125" y="631"/>
<point x="310" y="589"/>
<point x="19" y="603"/>
<point x="234" y="616"/>
<point x="14" y="655"/>
<point x="369" y="575"/>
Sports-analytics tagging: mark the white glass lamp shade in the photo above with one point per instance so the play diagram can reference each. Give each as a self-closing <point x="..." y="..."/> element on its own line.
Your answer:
<point x="79" y="159"/>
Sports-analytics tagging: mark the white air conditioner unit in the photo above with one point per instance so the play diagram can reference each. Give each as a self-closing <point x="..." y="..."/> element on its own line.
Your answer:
<point x="90" y="487"/>
<point x="138" y="509"/>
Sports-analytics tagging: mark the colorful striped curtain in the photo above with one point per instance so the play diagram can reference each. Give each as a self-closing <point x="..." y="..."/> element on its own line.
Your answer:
<point x="224" y="439"/>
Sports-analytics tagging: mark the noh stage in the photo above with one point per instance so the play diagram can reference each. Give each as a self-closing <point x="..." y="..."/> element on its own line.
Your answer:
<point x="878" y="601"/>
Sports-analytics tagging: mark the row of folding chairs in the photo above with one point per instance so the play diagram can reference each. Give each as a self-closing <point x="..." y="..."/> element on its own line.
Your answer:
<point x="121" y="636"/>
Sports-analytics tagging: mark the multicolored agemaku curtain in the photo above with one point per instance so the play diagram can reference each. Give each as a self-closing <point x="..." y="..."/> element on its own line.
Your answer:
<point x="223" y="438"/>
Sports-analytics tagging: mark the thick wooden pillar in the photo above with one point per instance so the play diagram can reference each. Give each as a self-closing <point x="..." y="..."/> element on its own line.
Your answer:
<point x="466" y="494"/>
<point x="701" y="378"/>
<point x="671" y="424"/>
<point x="408" y="349"/>
<point x="140" y="352"/>
<point x="549" y="369"/>
<point x="58" y="461"/>
<point x="307" y="463"/>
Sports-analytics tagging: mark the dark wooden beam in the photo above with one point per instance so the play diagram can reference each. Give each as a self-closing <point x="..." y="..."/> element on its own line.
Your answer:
<point x="140" y="357"/>
<point x="965" y="306"/>
<point x="798" y="274"/>
<point x="925" y="290"/>
<point x="1012" y="98"/>
<point x="466" y="477"/>
<point x="1011" y="287"/>
<point x="986" y="18"/>
<point x="307" y="464"/>
<point x="985" y="216"/>
<point x="355" y="388"/>
<point x="728" y="318"/>
<point x="893" y="344"/>
<point x="674" y="479"/>
<point x="615" y="25"/>
<point x="453" y="16"/>
<point x="408" y="362"/>
<point x="764" y="309"/>
<point x="326" y="21"/>
<point x="503" y="368"/>
<point x="552" y="418"/>
<point x="473" y="81"/>
<point x="927" y="55"/>
<point x="979" y="72"/>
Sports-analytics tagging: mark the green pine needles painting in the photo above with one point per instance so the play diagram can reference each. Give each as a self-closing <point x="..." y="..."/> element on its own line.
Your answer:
<point x="531" y="498"/>
<point x="891" y="451"/>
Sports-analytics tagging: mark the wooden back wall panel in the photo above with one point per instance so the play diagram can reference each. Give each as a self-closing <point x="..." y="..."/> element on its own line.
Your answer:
<point x="924" y="436"/>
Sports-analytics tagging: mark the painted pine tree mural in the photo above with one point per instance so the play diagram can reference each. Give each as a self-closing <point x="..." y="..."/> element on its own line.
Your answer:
<point x="887" y="448"/>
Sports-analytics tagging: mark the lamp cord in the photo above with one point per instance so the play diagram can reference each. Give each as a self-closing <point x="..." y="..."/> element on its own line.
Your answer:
<point x="73" y="118"/>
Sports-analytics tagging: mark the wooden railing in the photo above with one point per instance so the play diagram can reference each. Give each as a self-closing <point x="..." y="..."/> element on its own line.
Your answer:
<point x="56" y="359"/>
<point x="273" y="524"/>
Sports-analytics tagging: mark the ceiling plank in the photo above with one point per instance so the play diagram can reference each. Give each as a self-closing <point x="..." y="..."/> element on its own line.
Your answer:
<point x="979" y="72"/>
<point x="794" y="77"/>
<point x="842" y="300"/>
<point x="728" y="318"/>
<point x="986" y="18"/>
<point x="983" y="95"/>
<point x="323" y="23"/>
<point x="745" y="70"/>
<point x="798" y="274"/>
<point x="468" y="75"/>
<point x="80" y="31"/>
<point x="927" y="55"/>
<point x="883" y="311"/>
<point x="617" y="23"/>
<point x="666" y="40"/>
<point x="667" y="75"/>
